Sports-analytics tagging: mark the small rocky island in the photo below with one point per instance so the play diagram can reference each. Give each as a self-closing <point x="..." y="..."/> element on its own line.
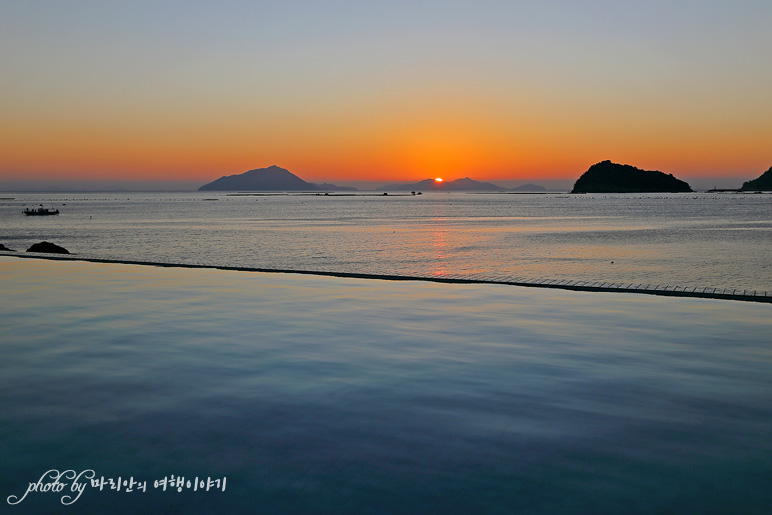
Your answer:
<point x="47" y="247"/>
<point x="608" y="177"/>
<point x="763" y="183"/>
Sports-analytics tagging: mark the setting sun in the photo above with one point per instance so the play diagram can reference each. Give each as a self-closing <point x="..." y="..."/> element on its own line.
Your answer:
<point x="438" y="179"/>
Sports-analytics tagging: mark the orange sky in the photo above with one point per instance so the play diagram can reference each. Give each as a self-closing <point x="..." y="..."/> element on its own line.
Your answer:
<point x="503" y="93"/>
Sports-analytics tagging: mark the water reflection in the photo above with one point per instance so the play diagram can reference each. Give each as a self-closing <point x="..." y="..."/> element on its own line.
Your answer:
<point x="327" y="395"/>
<point x="698" y="241"/>
<point x="439" y="247"/>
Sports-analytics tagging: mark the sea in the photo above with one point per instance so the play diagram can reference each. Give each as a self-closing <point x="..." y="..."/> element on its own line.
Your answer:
<point x="687" y="240"/>
<point x="127" y="388"/>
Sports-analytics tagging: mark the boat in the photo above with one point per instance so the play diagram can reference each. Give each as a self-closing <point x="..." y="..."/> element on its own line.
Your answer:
<point x="40" y="211"/>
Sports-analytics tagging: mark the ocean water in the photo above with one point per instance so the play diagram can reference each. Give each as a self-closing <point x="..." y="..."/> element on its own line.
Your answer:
<point x="697" y="240"/>
<point x="331" y="395"/>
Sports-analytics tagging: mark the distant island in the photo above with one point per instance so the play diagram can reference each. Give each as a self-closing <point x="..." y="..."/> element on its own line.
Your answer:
<point x="763" y="183"/>
<point x="272" y="178"/>
<point x="608" y="177"/>
<point x="529" y="187"/>
<point x="465" y="184"/>
<point x="275" y="178"/>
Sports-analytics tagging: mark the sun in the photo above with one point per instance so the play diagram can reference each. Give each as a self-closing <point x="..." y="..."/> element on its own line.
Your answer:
<point x="438" y="179"/>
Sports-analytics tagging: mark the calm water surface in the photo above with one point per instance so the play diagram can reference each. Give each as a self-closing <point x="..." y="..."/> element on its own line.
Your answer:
<point x="326" y="395"/>
<point x="675" y="239"/>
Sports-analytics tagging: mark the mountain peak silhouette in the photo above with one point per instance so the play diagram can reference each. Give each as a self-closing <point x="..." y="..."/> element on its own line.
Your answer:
<point x="272" y="178"/>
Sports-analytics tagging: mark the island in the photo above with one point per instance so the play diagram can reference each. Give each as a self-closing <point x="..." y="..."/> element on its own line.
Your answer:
<point x="272" y="178"/>
<point x="763" y="183"/>
<point x="608" y="177"/>
<point x="47" y="247"/>
<point x="529" y="187"/>
<point x="465" y="184"/>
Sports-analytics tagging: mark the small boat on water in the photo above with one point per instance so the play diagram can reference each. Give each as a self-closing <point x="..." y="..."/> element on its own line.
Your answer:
<point x="40" y="211"/>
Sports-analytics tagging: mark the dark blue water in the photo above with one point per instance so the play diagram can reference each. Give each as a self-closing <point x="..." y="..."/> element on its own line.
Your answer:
<point x="325" y="395"/>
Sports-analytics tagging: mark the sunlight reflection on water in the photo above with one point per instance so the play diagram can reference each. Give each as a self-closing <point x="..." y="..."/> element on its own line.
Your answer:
<point x="693" y="240"/>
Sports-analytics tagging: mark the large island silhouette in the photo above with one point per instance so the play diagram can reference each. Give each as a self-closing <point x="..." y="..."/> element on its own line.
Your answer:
<point x="608" y="177"/>
<point x="763" y="183"/>
<point x="272" y="178"/>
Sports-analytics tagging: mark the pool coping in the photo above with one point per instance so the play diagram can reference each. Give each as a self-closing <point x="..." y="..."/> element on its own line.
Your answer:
<point x="563" y="284"/>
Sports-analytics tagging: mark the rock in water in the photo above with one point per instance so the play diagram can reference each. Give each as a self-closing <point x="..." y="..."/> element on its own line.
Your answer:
<point x="608" y="177"/>
<point x="48" y="247"/>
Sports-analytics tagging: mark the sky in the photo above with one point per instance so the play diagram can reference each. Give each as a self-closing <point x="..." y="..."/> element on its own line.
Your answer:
<point x="383" y="91"/>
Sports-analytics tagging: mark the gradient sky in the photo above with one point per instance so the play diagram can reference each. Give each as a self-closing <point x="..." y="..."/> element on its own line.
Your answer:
<point x="191" y="90"/>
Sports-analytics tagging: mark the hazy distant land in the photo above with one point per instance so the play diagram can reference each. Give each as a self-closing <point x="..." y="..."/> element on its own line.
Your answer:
<point x="465" y="184"/>
<point x="275" y="178"/>
<point x="530" y="187"/>
<point x="762" y="183"/>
